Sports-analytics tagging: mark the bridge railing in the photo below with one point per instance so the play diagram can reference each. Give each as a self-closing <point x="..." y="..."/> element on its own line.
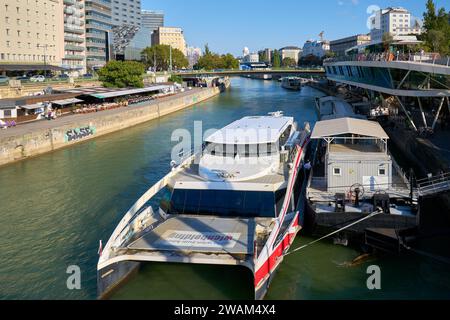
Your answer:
<point x="426" y="58"/>
<point x="433" y="185"/>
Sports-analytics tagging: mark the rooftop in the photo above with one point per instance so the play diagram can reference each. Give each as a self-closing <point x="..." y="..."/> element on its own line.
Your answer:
<point x="252" y="130"/>
<point x="341" y="126"/>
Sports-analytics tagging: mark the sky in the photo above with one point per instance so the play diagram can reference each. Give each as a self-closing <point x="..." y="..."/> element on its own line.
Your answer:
<point x="231" y="25"/>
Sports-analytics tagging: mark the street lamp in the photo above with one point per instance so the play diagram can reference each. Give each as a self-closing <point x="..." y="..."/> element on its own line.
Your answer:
<point x="45" y="46"/>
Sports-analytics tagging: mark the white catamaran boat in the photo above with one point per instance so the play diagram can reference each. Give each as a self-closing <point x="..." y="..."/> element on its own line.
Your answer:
<point x="237" y="202"/>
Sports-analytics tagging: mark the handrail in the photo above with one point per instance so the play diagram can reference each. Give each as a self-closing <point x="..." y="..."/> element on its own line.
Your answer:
<point x="428" y="58"/>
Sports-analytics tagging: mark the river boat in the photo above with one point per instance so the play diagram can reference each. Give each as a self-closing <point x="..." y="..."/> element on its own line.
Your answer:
<point x="239" y="201"/>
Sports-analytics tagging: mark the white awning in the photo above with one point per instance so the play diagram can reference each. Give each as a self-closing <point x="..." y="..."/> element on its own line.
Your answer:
<point x="342" y="126"/>
<point x="32" y="106"/>
<point x="67" y="101"/>
<point x="120" y="93"/>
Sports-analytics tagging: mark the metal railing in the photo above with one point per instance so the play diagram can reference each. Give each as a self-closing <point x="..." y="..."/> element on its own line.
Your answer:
<point x="427" y="58"/>
<point x="434" y="184"/>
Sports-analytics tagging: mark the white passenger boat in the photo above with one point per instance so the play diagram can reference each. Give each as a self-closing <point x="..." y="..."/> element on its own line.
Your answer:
<point x="291" y="83"/>
<point x="237" y="202"/>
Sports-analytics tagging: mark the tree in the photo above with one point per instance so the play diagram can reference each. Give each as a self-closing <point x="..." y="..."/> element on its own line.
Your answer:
<point x="177" y="79"/>
<point x="122" y="74"/>
<point x="276" y="59"/>
<point x="289" y="62"/>
<point x="229" y="61"/>
<point x="211" y="61"/>
<point x="437" y="29"/>
<point x="159" y="56"/>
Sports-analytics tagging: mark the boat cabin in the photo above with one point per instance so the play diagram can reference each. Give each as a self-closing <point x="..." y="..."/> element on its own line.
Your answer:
<point x="352" y="152"/>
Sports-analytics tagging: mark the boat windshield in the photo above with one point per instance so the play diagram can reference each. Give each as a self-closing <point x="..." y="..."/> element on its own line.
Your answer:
<point x="243" y="150"/>
<point x="228" y="203"/>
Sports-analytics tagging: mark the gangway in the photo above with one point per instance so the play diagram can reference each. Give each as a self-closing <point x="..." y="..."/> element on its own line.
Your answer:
<point x="434" y="185"/>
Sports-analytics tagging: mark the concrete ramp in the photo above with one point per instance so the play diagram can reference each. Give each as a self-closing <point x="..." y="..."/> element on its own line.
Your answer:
<point x="200" y="234"/>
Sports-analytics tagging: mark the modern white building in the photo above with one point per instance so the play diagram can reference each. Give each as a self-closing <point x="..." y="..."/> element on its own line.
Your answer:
<point x="396" y="21"/>
<point x="251" y="57"/>
<point x="315" y="48"/>
<point x="291" y="52"/>
<point x="126" y="12"/>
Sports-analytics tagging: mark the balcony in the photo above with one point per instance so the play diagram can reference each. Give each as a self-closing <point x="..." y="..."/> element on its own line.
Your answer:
<point x="69" y="2"/>
<point x="70" y="47"/>
<point x="74" y="57"/>
<point x="74" y="30"/>
<point x="73" y="39"/>
<point x="95" y="44"/>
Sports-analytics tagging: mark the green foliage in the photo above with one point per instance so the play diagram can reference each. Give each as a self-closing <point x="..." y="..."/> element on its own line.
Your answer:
<point x="122" y="74"/>
<point x="310" y="60"/>
<point x="289" y="62"/>
<point x="211" y="61"/>
<point x="174" y="78"/>
<point x="276" y="59"/>
<point x="437" y="29"/>
<point x="159" y="56"/>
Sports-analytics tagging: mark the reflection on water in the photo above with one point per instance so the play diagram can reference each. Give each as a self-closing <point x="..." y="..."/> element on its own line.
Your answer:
<point x="55" y="208"/>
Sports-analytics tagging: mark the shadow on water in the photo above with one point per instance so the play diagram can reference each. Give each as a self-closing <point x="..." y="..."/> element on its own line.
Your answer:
<point x="159" y="281"/>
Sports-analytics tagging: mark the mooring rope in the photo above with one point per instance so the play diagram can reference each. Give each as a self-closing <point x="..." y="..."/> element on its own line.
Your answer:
<point x="373" y="214"/>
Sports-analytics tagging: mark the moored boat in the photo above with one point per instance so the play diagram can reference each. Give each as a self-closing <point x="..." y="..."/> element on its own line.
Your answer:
<point x="236" y="202"/>
<point x="291" y="83"/>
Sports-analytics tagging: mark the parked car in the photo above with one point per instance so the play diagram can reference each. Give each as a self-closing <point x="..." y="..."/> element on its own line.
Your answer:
<point x="63" y="76"/>
<point x="38" y="78"/>
<point x="4" y="79"/>
<point x="88" y="75"/>
<point x="23" y="78"/>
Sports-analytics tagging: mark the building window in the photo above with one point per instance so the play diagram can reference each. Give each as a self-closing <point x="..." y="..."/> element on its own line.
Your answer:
<point x="381" y="171"/>
<point x="337" y="171"/>
<point x="7" y="113"/>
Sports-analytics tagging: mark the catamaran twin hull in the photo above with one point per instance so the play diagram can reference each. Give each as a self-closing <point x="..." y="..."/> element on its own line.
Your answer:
<point x="257" y="243"/>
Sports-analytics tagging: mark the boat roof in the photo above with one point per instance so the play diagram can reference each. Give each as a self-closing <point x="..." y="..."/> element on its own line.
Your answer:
<point x="252" y="130"/>
<point x="336" y="127"/>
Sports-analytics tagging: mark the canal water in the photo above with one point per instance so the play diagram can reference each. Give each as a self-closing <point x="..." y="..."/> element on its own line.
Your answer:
<point x="55" y="208"/>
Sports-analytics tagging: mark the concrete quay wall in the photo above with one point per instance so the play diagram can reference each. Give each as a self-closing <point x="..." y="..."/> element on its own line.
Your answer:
<point x="60" y="133"/>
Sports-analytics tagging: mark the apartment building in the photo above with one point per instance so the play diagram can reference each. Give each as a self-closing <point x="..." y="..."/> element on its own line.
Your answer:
<point x="74" y="59"/>
<point x="98" y="32"/>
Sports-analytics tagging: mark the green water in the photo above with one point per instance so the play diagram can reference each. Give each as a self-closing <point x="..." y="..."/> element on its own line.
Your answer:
<point x="55" y="208"/>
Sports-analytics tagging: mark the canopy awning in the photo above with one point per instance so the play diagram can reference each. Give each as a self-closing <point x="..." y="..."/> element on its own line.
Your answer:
<point x="342" y="126"/>
<point x="120" y="93"/>
<point x="67" y="101"/>
<point x="32" y="106"/>
<point x="29" y="67"/>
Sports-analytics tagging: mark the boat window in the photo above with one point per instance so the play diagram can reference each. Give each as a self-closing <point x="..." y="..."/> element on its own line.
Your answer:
<point x="381" y="171"/>
<point x="243" y="150"/>
<point x="229" y="203"/>
<point x="285" y="136"/>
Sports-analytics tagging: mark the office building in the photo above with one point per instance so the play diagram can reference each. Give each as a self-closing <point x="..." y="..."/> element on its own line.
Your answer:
<point x="31" y="33"/>
<point x="126" y="12"/>
<point x="395" y="21"/>
<point x="170" y="36"/>
<point x="152" y="19"/>
<point x="292" y="52"/>
<point x="339" y="46"/>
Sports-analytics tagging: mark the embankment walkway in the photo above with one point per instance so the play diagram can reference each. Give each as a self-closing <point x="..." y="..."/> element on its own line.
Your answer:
<point x="32" y="139"/>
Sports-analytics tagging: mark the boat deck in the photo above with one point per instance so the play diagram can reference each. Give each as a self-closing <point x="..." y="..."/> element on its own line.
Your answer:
<point x="190" y="174"/>
<point x="199" y="234"/>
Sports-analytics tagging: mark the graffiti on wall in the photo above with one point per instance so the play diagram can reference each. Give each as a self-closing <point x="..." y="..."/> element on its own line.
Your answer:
<point x="79" y="133"/>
